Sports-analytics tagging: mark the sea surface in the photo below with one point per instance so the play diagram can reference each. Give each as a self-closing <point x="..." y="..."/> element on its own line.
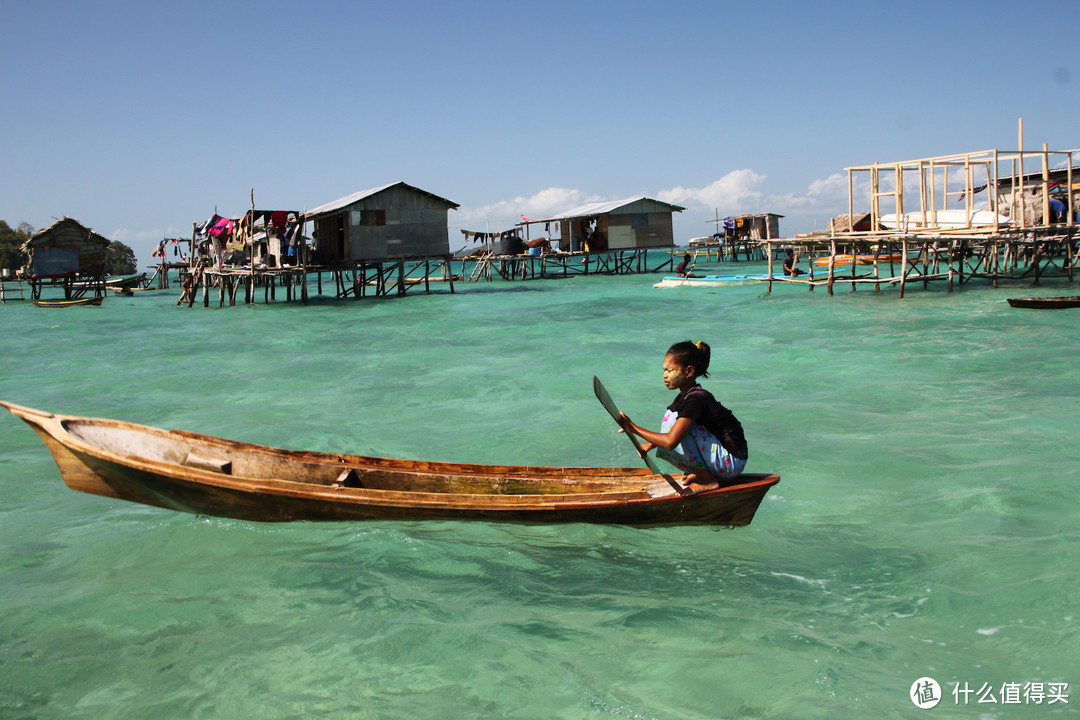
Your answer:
<point x="927" y="524"/>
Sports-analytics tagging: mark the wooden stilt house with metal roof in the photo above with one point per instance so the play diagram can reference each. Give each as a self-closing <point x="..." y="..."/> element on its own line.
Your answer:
<point x="66" y="254"/>
<point x="633" y="223"/>
<point x="390" y="222"/>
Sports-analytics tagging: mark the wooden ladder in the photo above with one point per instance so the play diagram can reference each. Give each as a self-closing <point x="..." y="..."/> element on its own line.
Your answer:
<point x="482" y="265"/>
<point x="4" y="289"/>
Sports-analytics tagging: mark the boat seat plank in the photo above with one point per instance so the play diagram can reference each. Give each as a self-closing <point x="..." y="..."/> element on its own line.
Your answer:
<point x="348" y="478"/>
<point x="208" y="463"/>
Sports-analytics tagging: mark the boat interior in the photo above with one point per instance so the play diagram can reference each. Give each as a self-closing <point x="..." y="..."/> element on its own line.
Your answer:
<point x="182" y="449"/>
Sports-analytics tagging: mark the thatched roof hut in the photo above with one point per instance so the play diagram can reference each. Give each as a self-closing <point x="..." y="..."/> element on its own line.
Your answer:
<point x="67" y="247"/>
<point x="859" y="222"/>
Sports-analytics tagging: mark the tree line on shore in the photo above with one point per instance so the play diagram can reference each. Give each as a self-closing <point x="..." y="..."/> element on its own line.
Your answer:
<point x="119" y="258"/>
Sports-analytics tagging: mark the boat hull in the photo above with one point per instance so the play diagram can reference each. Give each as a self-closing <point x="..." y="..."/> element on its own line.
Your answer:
<point x="942" y="220"/>
<point x="201" y="474"/>
<point x="1046" y="303"/>
<point x="711" y="280"/>
<point x="839" y="260"/>
<point x="67" y="303"/>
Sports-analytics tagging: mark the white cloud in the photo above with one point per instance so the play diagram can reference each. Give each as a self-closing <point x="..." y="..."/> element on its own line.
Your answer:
<point x="738" y="191"/>
<point x="504" y="214"/>
<point x="746" y="191"/>
<point x="820" y="194"/>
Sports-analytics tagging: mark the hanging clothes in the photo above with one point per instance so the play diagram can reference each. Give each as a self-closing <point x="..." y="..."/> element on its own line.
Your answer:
<point x="278" y="219"/>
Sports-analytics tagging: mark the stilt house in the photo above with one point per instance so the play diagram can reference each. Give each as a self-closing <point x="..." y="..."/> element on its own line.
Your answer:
<point x="390" y="222"/>
<point x="63" y="253"/>
<point x="615" y="225"/>
<point x="758" y="226"/>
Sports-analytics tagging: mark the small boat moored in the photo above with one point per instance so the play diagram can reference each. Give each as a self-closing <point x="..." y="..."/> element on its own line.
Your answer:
<point x="838" y="260"/>
<point x="710" y="280"/>
<point x="201" y="474"/>
<point x="1046" y="303"/>
<point x="68" y="303"/>
<point x="942" y="219"/>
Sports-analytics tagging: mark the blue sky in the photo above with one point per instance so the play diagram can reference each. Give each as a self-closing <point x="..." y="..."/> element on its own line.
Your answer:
<point x="139" y="118"/>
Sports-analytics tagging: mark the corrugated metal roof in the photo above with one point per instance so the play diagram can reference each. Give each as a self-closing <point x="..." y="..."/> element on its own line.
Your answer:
<point x="357" y="196"/>
<point x="600" y="208"/>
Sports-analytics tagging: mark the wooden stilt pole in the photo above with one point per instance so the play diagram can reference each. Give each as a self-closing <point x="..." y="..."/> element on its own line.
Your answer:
<point x="903" y="266"/>
<point x="768" y="290"/>
<point x="832" y="264"/>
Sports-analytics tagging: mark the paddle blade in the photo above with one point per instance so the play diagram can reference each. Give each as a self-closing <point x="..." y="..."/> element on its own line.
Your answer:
<point x="609" y="405"/>
<point x="605" y="399"/>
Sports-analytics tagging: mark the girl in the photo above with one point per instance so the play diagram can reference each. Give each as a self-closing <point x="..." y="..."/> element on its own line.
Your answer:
<point x="698" y="435"/>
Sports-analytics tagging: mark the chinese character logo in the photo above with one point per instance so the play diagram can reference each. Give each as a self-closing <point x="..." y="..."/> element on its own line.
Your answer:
<point x="925" y="693"/>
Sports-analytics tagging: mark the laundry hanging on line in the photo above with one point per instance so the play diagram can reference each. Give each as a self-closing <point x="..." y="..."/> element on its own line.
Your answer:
<point x="480" y="237"/>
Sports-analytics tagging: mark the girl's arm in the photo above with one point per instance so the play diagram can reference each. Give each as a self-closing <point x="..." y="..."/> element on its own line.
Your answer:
<point x="666" y="440"/>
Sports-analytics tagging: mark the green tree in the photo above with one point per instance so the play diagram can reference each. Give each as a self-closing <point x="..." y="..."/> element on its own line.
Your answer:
<point x="11" y="257"/>
<point x="119" y="259"/>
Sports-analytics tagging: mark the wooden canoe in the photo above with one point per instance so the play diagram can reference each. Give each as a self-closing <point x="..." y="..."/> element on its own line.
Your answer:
<point x="838" y="260"/>
<point x="68" y="303"/>
<point x="207" y="475"/>
<point x="1046" y="303"/>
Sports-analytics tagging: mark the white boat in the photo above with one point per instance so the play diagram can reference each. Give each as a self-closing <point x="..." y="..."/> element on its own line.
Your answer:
<point x="944" y="219"/>
<point x="703" y="241"/>
<point x="711" y="280"/>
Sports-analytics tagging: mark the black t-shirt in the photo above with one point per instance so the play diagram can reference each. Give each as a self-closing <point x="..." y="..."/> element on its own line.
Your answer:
<point x="699" y="405"/>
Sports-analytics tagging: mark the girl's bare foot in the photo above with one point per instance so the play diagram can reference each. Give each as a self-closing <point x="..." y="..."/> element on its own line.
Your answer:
<point x="697" y="484"/>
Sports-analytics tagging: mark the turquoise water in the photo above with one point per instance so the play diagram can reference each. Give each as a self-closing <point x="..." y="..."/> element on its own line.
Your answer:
<point x="925" y="523"/>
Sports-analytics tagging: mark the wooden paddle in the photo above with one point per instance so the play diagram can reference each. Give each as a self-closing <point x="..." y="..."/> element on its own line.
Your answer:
<point x="689" y="271"/>
<point x="609" y="405"/>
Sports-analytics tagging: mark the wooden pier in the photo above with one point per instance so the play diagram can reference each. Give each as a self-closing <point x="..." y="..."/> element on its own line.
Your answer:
<point x="355" y="280"/>
<point x="553" y="265"/>
<point x="1024" y="228"/>
<point x="752" y="251"/>
<point x="919" y="260"/>
<point x="362" y="279"/>
<point x="381" y="279"/>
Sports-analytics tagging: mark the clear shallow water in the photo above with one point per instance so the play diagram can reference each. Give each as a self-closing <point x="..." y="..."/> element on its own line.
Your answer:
<point x="925" y="524"/>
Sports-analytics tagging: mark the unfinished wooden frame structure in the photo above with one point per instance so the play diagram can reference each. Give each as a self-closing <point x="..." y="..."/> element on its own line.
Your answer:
<point x="915" y="236"/>
<point x="1010" y="186"/>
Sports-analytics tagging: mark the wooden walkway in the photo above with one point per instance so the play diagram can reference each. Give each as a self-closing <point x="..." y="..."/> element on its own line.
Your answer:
<point x="226" y="284"/>
<point x="363" y="279"/>
<point x="727" y="252"/>
<point x="399" y="277"/>
<point x="910" y="260"/>
<point x="992" y="215"/>
<point x="553" y="265"/>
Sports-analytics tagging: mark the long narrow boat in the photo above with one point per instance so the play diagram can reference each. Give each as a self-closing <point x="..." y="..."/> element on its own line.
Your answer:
<point x="207" y="475"/>
<point x="717" y="280"/>
<point x="1046" y="303"/>
<point x="68" y="303"/>
<point x="838" y="260"/>
<point x="942" y="219"/>
<point x="709" y="280"/>
<point x="116" y="282"/>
